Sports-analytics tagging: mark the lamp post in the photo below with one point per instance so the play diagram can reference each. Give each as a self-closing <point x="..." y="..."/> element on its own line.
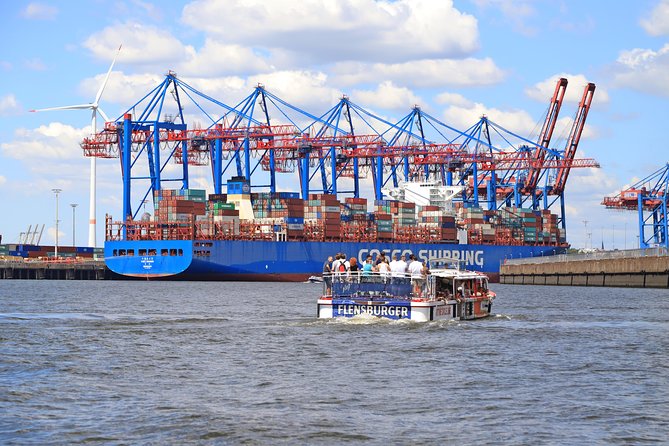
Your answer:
<point x="74" y="205"/>
<point x="56" y="191"/>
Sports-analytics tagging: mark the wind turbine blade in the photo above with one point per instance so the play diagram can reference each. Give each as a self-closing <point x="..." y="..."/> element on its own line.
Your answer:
<point x="103" y="114"/>
<point x="104" y="84"/>
<point x="66" y="107"/>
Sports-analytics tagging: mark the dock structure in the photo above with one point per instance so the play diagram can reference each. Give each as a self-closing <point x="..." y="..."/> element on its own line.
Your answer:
<point x="640" y="268"/>
<point x="70" y="269"/>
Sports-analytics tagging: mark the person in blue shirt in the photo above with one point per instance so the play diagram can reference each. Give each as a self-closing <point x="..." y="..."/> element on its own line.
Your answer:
<point x="367" y="268"/>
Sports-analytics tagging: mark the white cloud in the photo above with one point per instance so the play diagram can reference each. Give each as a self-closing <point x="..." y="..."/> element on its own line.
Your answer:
<point x="142" y="44"/>
<point x="387" y="96"/>
<point x="122" y="89"/>
<point x="657" y="22"/>
<point x="543" y="91"/>
<point x="453" y="99"/>
<point x="9" y="105"/>
<point x="3" y="180"/>
<point x="422" y="73"/>
<point x="53" y="141"/>
<point x="306" y="89"/>
<point x="313" y="95"/>
<point x="590" y="182"/>
<point x="216" y="58"/>
<point x="155" y="49"/>
<point x="347" y="30"/>
<point x="517" y="121"/>
<point x="39" y="11"/>
<point x="643" y="70"/>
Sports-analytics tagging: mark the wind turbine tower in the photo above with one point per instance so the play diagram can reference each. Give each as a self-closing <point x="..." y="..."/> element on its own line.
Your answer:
<point x="95" y="109"/>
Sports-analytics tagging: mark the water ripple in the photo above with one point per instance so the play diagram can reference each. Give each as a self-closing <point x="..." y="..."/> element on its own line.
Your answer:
<point x="212" y="363"/>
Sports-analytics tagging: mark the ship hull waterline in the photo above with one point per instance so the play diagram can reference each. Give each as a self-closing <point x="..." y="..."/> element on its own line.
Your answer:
<point x="294" y="261"/>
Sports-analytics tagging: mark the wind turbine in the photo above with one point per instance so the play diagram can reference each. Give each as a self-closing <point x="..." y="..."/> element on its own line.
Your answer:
<point x="95" y="109"/>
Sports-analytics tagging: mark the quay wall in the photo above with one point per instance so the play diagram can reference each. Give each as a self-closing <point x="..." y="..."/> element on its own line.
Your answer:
<point x="50" y="270"/>
<point x="633" y="272"/>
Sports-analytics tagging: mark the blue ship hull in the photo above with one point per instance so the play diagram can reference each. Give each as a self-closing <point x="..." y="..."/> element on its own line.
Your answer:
<point x="285" y="261"/>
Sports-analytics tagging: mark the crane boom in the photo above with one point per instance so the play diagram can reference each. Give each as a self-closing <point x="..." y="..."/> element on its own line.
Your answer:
<point x="574" y="137"/>
<point x="546" y="135"/>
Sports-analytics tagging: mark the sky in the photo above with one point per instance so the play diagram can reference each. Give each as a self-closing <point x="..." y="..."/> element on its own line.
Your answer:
<point x="457" y="59"/>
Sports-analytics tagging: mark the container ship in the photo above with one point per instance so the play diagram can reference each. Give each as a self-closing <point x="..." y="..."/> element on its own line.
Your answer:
<point x="481" y="196"/>
<point x="280" y="237"/>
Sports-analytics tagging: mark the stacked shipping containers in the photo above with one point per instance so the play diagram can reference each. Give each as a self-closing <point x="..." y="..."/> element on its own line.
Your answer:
<point x="224" y="216"/>
<point x="328" y="219"/>
<point x="323" y="211"/>
<point x="286" y="206"/>
<point x="441" y="226"/>
<point x="179" y="205"/>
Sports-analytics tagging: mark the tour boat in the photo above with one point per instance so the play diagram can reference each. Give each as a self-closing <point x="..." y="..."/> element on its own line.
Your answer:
<point x="446" y="292"/>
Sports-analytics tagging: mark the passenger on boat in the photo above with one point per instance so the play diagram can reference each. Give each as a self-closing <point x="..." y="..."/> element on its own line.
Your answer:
<point x="416" y="271"/>
<point x="398" y="270"/>
<point x="381" y="258"/>
<point x="336" y="263"/>
<point x="394" y="268"/>
<point x="384" y="270"/>
<point x="327" y="275"/>
<point x="368" y="268"/>
<point x="347" y="264"/>
<point x="340" y="267"/>
<point x="354" y="269"/>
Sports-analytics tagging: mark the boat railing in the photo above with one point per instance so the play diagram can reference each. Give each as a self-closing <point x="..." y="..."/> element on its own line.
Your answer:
<point x="375" y="285"/>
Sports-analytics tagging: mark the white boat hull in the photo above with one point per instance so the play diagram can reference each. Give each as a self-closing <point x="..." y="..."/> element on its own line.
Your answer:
<point x="414" y="310"/>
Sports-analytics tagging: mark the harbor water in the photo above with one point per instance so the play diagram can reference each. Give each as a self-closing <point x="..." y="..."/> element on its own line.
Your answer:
<point x="104" y="362"/>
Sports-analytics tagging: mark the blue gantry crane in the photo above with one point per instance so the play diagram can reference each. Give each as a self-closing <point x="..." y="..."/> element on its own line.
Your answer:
<point x="264" y="136"/>
<point x="649" y="198"/>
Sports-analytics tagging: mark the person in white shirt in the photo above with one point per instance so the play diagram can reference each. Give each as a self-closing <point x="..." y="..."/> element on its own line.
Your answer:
<point x="336" y="267"/>
<point x="347" y="264"/>
<point x="396" y="269"/>
<point x="417" y="279"/>
<point x="393" y="265"/>
<point x="384" y="270"/>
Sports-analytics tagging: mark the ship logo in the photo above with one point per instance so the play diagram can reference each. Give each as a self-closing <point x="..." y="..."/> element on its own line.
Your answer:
<point x="147" y="262"/>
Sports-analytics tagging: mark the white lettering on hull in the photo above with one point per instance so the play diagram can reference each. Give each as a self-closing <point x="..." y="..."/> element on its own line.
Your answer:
<point x="471" y="257"/>
<point x="373" y="310"/>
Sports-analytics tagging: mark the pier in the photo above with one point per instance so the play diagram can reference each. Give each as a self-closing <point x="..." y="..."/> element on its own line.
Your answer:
<point x="65" y="269"/>
<point x="640" y="268"/>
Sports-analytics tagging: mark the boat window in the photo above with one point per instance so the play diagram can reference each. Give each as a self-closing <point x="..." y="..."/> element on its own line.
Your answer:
<point x="121" y="252"/>
<point x="115" y="252"/>
<point x="152" y="252"/>
<point x="181" y="252"/>
<point x="131" y="252"/>
<point x="163" y="252"/>
<point x="142" y="252"/>
<point x="173" y="252"/>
